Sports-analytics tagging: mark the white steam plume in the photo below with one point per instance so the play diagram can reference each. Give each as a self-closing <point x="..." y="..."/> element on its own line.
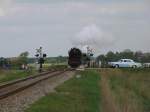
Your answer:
<point x="94" y="37"/>
<point x="4" y="6"/>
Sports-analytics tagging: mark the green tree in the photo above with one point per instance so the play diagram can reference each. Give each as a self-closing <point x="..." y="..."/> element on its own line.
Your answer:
<point x="24" y="54"/>
<point x="127" y="54"/>
<point x="110" y="56"/>
<point x="21" y="59"/>
<point x="102" y="58"/>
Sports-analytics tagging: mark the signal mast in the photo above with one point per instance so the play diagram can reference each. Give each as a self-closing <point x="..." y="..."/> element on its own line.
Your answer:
<point x="89" y="51"/>
<point x="40" y="58"/>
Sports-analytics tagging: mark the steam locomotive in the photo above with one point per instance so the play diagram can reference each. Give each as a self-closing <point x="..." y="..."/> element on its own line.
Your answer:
<point x="76" y="58"/>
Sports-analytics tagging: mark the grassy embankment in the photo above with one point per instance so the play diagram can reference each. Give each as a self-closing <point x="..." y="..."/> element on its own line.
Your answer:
<point x="49" y="66"/>
<point x="130" y="88"/>
<point x="76" y="95"/>
<point x="9" y="75"/>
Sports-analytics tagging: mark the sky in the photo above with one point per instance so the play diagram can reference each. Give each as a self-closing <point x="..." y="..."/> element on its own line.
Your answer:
<point x="58" y="25"/>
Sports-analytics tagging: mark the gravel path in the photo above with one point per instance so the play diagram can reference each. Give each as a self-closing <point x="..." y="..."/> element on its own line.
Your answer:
<point x="20" y="101"/>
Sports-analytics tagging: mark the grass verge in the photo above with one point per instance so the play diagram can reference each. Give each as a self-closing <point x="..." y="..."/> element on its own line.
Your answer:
<point x="131" y="89"/>
<point x="9" y="75"/>
<point x="76" y="95"/>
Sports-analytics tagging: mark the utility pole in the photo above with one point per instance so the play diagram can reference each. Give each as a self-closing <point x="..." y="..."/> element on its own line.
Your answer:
<point x="40" y="57"/>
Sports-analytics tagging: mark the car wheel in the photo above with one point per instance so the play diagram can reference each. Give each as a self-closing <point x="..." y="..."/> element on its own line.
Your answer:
<point x="116" y="66"/>
<point x="134" y="66"/>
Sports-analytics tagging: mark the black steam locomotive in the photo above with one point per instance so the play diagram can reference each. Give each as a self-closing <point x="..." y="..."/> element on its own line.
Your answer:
<point x="76" y="58"/>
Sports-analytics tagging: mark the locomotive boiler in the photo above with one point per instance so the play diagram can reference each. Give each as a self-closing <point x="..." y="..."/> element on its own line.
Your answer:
<point x="77" y="58"/>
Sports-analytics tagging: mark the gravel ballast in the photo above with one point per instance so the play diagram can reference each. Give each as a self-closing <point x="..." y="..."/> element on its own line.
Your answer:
<point x="20" y="101"/>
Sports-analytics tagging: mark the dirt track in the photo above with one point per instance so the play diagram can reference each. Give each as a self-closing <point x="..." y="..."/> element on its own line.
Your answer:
<point x="108" y="103"/>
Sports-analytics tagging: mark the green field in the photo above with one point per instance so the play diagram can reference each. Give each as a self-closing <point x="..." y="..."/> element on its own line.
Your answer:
<point x="49" y="66"/>
<point x="119" y="90"/>
<point x="102" y="90"/>
<point x="13" y="74"/>
<point x="76" y="95"/>
<point x="9" y="75"/>
<point x="130" y="89"/>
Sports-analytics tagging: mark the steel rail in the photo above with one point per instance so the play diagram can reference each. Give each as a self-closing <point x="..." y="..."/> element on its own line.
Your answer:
<point x="5" y="84"/>
<point x="41" y="77"/>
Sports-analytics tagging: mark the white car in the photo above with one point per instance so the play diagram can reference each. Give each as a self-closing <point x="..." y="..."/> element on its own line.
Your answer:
<point x="125" y="63"/>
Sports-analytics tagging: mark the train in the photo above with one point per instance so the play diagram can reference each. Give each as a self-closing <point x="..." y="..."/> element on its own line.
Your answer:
<point x="77" y="58"/>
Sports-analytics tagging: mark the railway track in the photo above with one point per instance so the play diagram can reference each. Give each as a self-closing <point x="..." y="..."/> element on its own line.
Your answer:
<point x="19" y="85"/>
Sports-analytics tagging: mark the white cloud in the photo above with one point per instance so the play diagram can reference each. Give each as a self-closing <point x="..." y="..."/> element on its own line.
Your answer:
<point x="4" y="6"/>
<point x="127" y="21"/>
<point x="77" y="7"/>
<point x="105" y="8"/>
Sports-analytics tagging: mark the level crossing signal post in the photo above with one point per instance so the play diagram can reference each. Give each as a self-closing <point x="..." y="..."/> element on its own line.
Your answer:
<point x="40" y="58"/>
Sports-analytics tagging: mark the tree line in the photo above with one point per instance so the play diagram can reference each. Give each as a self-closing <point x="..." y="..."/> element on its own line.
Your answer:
<point x="23" y="58"/>
<point x="137" y="56"/>
<point x="14" y="62"/>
